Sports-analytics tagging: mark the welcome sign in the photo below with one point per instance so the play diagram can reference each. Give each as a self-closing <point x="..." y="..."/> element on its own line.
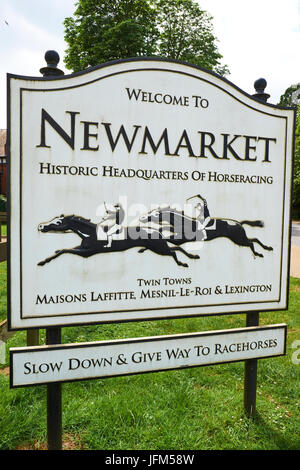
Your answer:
<point x="145" y="189"/>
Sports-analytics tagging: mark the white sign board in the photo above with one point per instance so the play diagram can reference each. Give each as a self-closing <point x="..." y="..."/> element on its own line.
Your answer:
<point x="145" y="189"/>
<point x="45" y="364"/>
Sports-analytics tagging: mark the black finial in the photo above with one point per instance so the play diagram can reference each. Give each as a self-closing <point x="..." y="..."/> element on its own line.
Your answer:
<point x="260" y="94"/>
<point x="51" y="71"/>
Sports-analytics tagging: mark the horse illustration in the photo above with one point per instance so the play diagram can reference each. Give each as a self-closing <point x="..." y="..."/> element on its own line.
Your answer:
<point x="137" y="236"/>
<point x="186" y="229"/>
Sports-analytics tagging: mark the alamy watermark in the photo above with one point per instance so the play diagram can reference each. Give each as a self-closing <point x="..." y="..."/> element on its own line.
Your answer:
<point x="2" y="352"/>
<point x="296" y="354"/>
<point x="135" y="221"/>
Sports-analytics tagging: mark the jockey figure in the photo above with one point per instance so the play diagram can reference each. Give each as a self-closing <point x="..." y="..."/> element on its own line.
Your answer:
<point x="111" y="224"/>
<point x="202" y="215"/>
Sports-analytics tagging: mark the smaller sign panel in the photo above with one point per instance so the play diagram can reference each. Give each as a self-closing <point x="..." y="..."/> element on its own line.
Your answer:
<point x="69" y="362"/>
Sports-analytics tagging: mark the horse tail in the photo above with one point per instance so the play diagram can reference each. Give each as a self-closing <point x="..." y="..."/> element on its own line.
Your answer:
<point x="253" y="223"/>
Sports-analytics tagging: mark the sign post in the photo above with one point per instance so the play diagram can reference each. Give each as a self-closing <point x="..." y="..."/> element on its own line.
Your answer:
<point x="250" y="377"/>
<point x="252" y="319"/>
<point x="54" y="400"/>
<point x="53" y="335"/>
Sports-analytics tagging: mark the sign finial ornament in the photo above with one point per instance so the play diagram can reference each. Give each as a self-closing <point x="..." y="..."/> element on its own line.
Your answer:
<point x="52" y="59"/>
<point x="260" y="85"/>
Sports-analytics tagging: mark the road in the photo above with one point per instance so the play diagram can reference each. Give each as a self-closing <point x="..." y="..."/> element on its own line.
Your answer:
<point x="296" y="233"/>
<point x="295" y="250"/>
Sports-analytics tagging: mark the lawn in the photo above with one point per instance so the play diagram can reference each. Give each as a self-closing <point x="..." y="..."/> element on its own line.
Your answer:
<point x="191" y="409"/>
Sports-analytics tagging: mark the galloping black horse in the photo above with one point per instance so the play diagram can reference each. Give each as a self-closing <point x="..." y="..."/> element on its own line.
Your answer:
<point x="146" y="238"/>
<point x="186" y="228"/>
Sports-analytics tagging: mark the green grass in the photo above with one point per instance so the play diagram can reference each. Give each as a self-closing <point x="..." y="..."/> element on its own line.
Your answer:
<point x="191" y="409"/>
<point x="4" y="230"/>
<point x="3" y="294"/>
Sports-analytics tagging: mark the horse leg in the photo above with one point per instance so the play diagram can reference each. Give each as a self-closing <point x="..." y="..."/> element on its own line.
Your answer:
<point x="164" y="249"/>
<point x="250" y="242"/>
<point x="189" y="255"/>
<point x="251" y="246"/>
<point x="185" y="265"/>
<point x="76" y="251"/>
<point x="256" y="240"/>
<point x="50" y="258"/>
<point x="237" y="235"/>
<point x="246" y="242"/>
<point x="175" y="257"/>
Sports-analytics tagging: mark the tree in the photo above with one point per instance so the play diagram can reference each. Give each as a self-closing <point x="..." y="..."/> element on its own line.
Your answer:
<point x="103" y="30"/>
<point x="186" y="33"/>
<point x="286" y="98"/>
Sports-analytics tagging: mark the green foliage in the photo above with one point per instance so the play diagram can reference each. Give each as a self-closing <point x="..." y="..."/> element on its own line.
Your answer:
<point x="126" y="39"/>
<point x="102" y="30"/>
<point x="186" y="33"/>
<point x="3" y="296"/>
<point x="286" y="98"/>
<point x="2" y="203"/>
<point x="296" y="190"/>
